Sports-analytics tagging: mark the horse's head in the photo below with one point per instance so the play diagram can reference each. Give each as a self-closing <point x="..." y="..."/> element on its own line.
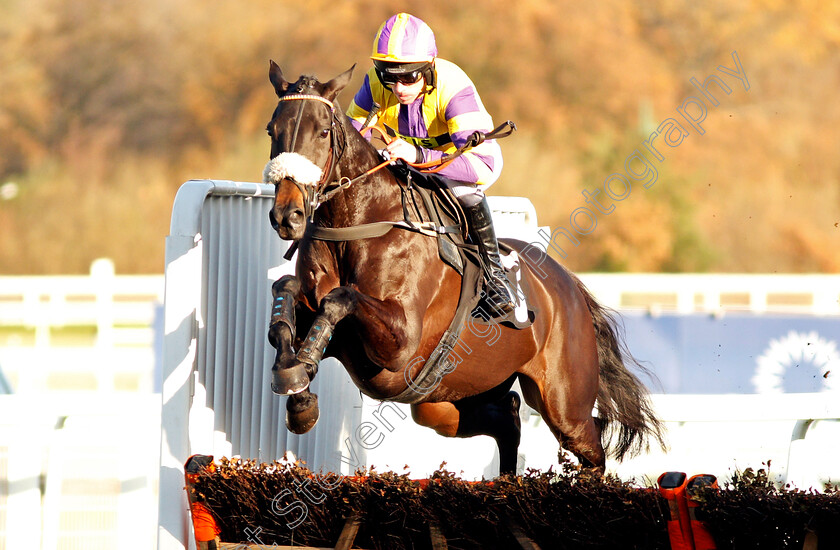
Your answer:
<point x="307" y="137"/>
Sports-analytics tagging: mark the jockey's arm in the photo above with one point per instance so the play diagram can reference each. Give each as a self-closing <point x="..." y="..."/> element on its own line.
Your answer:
<point x="464" y="114"/>
<point x="461" y="109"/>
<point x="361" y="106"/>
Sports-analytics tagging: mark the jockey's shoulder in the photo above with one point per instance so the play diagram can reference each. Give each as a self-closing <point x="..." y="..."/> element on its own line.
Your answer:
<point x="450" y="72"/>
<point x="451" y="79"/>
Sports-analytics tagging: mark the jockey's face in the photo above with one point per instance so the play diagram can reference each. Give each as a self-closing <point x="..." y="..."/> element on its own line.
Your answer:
<point x="408" y="93"/>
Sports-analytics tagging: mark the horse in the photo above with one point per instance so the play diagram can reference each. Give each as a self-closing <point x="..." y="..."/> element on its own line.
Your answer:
<point x="378" y="303"/>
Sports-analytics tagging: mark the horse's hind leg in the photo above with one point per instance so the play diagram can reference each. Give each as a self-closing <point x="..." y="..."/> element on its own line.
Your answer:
<point x="566" y="407"/>
<point x="499" y="419"/>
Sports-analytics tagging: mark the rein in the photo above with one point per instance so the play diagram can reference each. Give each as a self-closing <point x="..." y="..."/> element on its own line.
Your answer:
<point x="476" y="138"/>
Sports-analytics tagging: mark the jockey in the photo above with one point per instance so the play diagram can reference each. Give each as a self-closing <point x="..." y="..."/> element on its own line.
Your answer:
<point x="432" y="107"/>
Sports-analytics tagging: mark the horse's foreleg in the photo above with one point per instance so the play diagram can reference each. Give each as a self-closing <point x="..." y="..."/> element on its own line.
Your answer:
<point x="335" y="306"/>
<point x="288" y="376"/>
<point x="302" y="408"/>
<point x="498" y="419"/>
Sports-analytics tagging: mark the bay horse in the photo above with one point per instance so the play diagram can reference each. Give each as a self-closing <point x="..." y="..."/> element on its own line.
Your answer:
<point x="377" y="303"/>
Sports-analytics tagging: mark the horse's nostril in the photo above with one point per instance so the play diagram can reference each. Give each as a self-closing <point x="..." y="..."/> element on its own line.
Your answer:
<point x="288" y="221"/>
<point x="295" y="216"/>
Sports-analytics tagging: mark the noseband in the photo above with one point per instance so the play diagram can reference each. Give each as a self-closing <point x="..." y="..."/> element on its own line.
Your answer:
<point x="316" y="194"/>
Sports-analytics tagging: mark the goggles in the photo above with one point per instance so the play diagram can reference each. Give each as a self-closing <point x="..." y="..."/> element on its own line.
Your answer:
<point x="411" y="77"/>
<point x="391" y="73"/>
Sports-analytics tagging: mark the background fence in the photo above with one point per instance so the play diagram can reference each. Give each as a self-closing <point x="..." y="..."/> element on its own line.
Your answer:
<point x="98" y="332"/>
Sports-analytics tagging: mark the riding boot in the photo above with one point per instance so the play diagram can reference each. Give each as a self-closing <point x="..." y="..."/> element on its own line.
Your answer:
<point x="499" y="294"/>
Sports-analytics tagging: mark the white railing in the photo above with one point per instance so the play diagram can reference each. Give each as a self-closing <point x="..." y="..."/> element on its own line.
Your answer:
<point x="715" y="293"/>
<point x="794" y="436"/>
<point x="119" y="346"/>
<point x="121" y="308"/>
<point x="94" y="331"/>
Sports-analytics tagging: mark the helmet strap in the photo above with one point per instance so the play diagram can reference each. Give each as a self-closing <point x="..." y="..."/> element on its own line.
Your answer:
<point x="430" y="75"/>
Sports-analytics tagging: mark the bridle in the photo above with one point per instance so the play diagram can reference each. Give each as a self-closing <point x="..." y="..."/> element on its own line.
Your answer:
<point x="317" y="193"/>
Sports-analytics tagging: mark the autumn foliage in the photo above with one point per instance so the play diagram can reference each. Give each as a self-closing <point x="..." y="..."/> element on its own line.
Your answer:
<point x="107" y="107"/>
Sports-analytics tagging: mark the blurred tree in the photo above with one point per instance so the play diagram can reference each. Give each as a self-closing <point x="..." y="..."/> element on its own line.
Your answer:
<point x="113" y="75"/>
<point x="107" y="106"/>
<point x="23" y="103"/>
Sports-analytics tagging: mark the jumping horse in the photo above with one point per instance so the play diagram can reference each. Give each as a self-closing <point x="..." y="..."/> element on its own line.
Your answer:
<point x="377" y="303"/>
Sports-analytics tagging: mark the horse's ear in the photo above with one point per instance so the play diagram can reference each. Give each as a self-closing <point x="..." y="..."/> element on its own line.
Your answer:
<point x="334" y="86"/>
<point x="275" y="75"/>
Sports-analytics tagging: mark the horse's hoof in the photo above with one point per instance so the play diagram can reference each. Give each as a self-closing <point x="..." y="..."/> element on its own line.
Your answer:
<point x="289" y="380"/>
<point x="302" y="417"/>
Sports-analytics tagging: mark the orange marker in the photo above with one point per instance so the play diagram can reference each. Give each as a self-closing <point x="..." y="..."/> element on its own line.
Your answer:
<point x="702" y="537"/>
<point x="204" y="524"/>
<point x="672" y="487"/>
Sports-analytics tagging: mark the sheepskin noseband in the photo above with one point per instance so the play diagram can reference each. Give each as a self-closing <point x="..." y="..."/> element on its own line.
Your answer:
<point x="293" y="166"/>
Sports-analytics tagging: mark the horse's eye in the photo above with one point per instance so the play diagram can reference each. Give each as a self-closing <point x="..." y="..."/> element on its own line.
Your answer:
<point x="324" y="133"/>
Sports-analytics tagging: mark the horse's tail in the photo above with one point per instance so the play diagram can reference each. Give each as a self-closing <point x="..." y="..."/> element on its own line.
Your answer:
<point x="625" y="415"/>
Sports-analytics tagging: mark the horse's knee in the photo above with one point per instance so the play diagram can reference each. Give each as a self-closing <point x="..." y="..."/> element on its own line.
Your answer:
<point x="340" y="302"/>
<point x="334" y="307"/>
<point x="286" y="283"/>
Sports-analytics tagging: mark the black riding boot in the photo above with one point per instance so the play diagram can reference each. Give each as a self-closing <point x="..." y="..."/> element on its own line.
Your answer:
<point x="499" y="295"/>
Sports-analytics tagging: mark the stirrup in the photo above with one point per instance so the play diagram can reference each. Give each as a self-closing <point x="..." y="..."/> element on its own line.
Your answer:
<point x="497" y="299"/>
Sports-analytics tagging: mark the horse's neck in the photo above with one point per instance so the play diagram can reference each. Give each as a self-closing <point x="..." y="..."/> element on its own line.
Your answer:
<point x="375" y="197"/>
<point x="359" y="154"/>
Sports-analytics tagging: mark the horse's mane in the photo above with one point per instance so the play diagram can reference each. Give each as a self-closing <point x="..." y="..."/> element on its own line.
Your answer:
<point x="303" y="83"/>
<point x="350" y="129"/>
